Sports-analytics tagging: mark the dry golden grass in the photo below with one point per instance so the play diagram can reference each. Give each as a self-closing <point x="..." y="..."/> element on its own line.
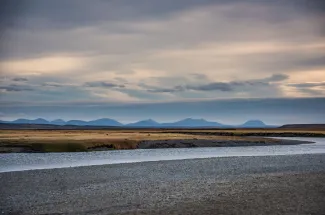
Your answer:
<point x="85" y="139"/>
<point x="82" y="140"/>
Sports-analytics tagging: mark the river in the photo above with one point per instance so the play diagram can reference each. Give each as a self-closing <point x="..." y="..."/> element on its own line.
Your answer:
<point x="29" y="161"/>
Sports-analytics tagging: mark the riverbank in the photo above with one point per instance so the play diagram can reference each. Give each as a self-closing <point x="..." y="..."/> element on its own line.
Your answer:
<point x="102" y="140"/>
<point x="237" y="185"/>
<point x="143" y="144"/>
<point x="190" y="143"/>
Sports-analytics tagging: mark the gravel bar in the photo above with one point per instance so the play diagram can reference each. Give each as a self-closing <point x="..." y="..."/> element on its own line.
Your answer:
<point x="291" y="184"/>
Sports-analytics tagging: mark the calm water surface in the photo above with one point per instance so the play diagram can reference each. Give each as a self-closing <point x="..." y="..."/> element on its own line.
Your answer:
<point x="27" y="161"/>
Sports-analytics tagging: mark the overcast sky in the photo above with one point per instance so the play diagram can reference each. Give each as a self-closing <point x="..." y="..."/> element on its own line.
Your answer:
<point x="80" y="53"/>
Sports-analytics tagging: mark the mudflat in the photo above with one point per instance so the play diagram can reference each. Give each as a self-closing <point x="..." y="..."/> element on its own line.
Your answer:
<point x="237" y="185"/>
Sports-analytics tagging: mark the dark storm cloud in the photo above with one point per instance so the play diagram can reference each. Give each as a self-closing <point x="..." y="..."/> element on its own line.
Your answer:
<point x="103" y="84"/>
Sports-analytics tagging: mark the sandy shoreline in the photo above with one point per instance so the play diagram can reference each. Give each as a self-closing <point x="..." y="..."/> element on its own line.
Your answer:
<point x="244" y="185"/>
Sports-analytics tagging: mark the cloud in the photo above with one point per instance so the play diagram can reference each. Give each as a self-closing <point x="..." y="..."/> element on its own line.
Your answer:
<point x="316" y="89"/>
<point x="15" y="88"/>
<point x="160" y="50"/>
<point x="276" y="78"/>
<point x="308" y="84"/>
<point x="311" y="91"/>
<point x="8" y="79"/>
<point x="166" y="90"/>
<point x="221" y="86"/>
<point x="103" y="84"/>
<point x="231" y="86"/>
<point x="56" y="84"/>
<point x="116" y="96"/>
<point x="43" y="65"/>
<point x="20" y="79"/>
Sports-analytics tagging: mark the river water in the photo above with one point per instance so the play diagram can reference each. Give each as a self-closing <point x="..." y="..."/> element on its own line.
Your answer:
<point x="29" y="161"/>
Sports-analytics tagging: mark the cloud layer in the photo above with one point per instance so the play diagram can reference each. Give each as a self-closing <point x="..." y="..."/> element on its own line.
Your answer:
<point x="160" y="51"/>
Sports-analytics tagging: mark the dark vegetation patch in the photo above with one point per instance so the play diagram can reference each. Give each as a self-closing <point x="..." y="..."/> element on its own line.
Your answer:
<point x="247" y="133"/>
<point x="59" y="147"/>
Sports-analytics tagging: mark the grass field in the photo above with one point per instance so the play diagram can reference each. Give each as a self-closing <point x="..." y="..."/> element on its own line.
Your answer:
<point x="85" y="140"/>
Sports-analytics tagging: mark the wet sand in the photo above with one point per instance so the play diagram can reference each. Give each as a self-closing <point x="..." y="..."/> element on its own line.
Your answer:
<point x="235" y="185"/>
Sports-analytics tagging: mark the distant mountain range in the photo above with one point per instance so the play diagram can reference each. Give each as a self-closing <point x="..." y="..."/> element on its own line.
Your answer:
<point x="144" y="123"/>
<point x="149" y="123"/>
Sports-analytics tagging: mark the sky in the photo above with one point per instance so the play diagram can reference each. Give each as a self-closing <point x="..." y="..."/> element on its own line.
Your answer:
<point x="223" y="60"/>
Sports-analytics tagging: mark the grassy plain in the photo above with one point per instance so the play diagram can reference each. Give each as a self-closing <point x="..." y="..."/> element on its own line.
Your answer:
<point x="87" y="140"/>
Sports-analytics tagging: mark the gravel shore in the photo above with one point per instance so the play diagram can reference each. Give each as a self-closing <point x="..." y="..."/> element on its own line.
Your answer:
<point x="235" y="185"/>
